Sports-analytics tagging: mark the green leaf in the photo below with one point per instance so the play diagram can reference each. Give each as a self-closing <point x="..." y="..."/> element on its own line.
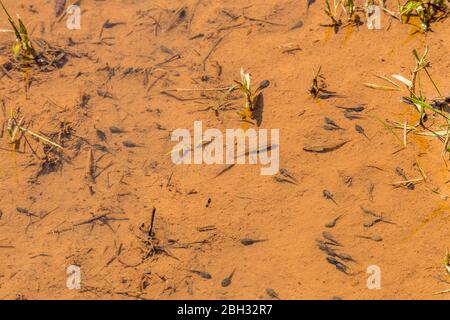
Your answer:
<point x="16" y="48"/>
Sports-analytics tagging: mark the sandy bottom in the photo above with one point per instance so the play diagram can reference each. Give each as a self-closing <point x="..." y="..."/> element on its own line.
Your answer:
<point x="118" y="72"/>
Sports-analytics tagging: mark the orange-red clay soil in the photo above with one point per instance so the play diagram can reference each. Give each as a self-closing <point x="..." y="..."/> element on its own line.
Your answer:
<point x="114" y="78"/>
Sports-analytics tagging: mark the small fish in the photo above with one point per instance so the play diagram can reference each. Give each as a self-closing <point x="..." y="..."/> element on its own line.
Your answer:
<point x="90" y="167"/>
<point x="227" y="281"/>
<point x="325" y="94"/>
<point x="104" y="94"/>
<point x="370" y="212"/>
<point x="352" y="109"/>
<point x="402" y="174"/>
<point x="84" y="100"/>
<point x="264" y="84"/>
<point x="330" y="123"/>
<point x="345" y="257"/>
<point x="249" y="242"/>
<point x="277" y="178"/>
<point x="328" y="195"/>
<point x="377" y="220"/>
<point x="202" y="274"/>
<point x="160" y="127"/>
<point x="331" y="128"/>
<point x="373" y="238"/>
<point x="372" y="223"/>
<point x="352" y="116"/>
<point x="332" y="224"/>
<point x="100" y="135"/>
<point x="208" y="203"/>
<point x="360" y="130"/>
<point x="109" y="25"/>
<point x="166" y="50"/>
<point x="324" y="148"/>
<point x="328" y="236"/>
<point x="339" y="265"/>
<point x="116" y="130"/>
<point x="130" y="144"/>
<point x="101" y="148"/>
<point x="326" y="248"/>
<point x="206" y="228"/>
<point x="297" y="25"/>
<point x="272" y="293"/>
<point x="25" y="212"/>
<point x="287" y="174"/>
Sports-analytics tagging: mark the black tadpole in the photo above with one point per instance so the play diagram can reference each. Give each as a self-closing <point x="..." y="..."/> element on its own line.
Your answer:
<point x="264" y="84"/>
<point x="249" y="242"/>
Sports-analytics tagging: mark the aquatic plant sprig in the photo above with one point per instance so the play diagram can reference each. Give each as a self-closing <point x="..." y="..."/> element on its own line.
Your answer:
<point x="250" y="96"/>
<point x="427" y="11"/>
<point x="332" y="13"/>
<point x="23" y="43"/>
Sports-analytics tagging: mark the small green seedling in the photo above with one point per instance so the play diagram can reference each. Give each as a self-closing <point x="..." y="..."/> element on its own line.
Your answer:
<point x="421" y="64"/>
<point x="23" y="43"/>
<point x="315" y="88"/>
<point x="416" y="96"/>
<point x="427" y="11"/>
<point x="437" y="107"/>
<point x="250" y="97"/>
<point x="16" y="131"/>
<point x="349" y="8"/>
<point x="22" y="48"/>
<point x="336" y="21"/>
<point x="318" y="85"/>
<point x="447" y="262"/>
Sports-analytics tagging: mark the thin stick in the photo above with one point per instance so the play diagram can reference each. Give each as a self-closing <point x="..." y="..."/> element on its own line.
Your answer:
<point x="378" y="87"/>
<point x="211" y="51"/>
<point x="388" y="80"/>
<point x="90" y="166"/>
<point x="404" y="133"/>
<point x="432" y="81"/>
<point x="424" y="176"/>
<point x="198" y="89"/>
<point x="90" y="220"/>
<point x="15" y="130"/>
<point x="264" y="21"/>
<point x="40" y="137"/>
<point x="441" y="292"/>
<point x="152" y="220"/>
<point x="407" y="181"/>
<point x="389" y="128"/>
<point x="227" y="168"/>
<point x="32" y="150"/>
<point x="155" y="81"/>
<point x="391" y="13"/>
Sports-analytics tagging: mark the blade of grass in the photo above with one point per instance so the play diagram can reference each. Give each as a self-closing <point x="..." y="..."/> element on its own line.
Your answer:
<point x="388" y="80"/>
<point x="40" y="137"/>
<point x="390" y="129"/>
<point x="379" y="87"/>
